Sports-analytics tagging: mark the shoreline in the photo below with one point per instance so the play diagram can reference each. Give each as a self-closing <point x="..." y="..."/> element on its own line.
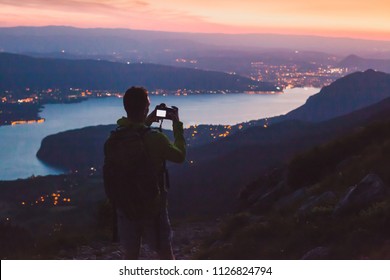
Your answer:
<point x="33" y="113"/>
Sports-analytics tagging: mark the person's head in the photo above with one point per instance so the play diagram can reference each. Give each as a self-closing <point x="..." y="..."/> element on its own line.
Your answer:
<point x="136" y="103"/>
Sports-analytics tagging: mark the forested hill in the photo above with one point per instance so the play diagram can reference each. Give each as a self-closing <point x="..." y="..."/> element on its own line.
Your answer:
<point x="19" y="72"/>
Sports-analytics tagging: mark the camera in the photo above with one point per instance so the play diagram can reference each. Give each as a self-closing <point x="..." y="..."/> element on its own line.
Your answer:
<point x="163" y="112"/>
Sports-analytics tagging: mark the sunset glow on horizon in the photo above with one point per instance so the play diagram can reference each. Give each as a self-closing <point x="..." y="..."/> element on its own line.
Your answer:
<point x="332" y="18"/>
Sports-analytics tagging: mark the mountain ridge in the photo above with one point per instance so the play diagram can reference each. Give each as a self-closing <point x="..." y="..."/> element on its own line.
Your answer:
<point x="19" y="72"/>
<point x="360" y="64"/>
<point x="232" y="41"/>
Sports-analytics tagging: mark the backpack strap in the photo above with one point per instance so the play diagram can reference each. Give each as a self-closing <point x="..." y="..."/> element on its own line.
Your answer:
<point x="166" y="183"/>
<point x="141" y="130"/>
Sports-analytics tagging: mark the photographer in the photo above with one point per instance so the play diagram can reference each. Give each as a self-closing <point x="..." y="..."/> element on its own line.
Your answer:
<point x="139" y="219"/>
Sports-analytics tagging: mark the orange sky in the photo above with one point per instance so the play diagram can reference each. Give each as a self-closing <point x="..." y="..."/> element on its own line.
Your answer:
<point x="337" y="18"/>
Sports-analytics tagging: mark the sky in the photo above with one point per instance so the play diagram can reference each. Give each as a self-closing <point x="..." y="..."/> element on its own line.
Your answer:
<point x="368" y="19"/>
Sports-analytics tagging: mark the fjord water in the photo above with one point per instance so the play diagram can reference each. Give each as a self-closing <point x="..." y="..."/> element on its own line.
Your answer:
<point x="19" y="144"/>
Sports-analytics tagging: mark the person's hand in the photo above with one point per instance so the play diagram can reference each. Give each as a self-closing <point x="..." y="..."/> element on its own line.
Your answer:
<point x="151" y="118"/>
<point x="174" y="115"/>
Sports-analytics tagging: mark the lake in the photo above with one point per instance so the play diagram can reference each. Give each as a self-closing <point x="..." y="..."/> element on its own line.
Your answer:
<point x="20" y="143"/>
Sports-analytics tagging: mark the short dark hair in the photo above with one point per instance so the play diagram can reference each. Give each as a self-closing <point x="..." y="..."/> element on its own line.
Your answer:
<point x="135" y="101"/>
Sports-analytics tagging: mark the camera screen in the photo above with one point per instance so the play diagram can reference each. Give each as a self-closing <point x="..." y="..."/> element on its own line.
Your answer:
<point x="161" y="113"/>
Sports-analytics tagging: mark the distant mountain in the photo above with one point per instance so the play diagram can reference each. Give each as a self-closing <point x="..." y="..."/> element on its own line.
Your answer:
<point x="96" y="41"/>
<point x="345" y="95"/>
<point x="19" y="72"/>
<point x="358" y="63"/>
<point x="146" y="44"/>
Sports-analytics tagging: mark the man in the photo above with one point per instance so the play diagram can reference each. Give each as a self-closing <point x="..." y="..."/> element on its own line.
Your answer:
<point x="155" y="230"/>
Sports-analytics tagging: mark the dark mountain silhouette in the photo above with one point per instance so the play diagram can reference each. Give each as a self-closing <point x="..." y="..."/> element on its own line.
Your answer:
<point x="343" y="96"/>
<point x="358" y="63"/>
<point x="19" y="72"/>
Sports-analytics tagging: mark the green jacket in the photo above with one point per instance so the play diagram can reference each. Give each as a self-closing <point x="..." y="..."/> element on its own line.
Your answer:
<point x="159" y="146"/>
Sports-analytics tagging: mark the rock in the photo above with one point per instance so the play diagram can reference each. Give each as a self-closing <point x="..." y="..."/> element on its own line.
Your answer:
<point x="315" y="201"/>
<point x="370" y="190"/>
<point x="318" y="253"/>
<point x="290" y="200"/>
<point x="252" y="195"/>
<point x="347" y="162"/>
<point x="266" y="201"/>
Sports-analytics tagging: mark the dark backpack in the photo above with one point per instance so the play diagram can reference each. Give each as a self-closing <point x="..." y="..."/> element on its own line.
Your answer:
<point x="130" y="177"/>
